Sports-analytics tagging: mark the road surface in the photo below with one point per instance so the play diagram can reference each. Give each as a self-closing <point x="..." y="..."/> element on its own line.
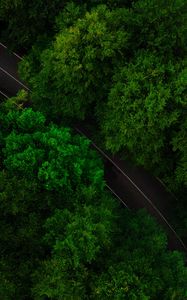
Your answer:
<point x="10" y="83"/>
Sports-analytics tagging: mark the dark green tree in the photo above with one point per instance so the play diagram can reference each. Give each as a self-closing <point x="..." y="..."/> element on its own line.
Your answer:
<point x="122" y="68"/>
<point x="145" y="109"/>
<point x="121" y="64"/>
<point x="135" y="265"/>
<point x="83" y="56"/>
<point x="78" y="242"/>
<point x="24" y="21"/>
<point x="141" y="267"/>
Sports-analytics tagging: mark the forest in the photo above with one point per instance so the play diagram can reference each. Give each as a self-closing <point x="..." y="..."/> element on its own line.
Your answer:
<point x="119" y="67"/>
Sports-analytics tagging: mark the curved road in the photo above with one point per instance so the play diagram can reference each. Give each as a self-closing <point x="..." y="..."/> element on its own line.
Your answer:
<point x="133" y="186"/>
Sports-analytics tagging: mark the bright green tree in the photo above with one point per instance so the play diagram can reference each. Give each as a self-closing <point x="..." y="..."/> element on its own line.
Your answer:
<point x="49" y="154"/>
<point x="43" y="167"/>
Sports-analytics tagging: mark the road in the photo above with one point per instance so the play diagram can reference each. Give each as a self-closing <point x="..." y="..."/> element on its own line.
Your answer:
<point x="133" y="186"/>
<point x="10" y="83"/>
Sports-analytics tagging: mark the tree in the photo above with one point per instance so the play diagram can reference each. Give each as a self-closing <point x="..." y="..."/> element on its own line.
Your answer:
<point x="132" y="263"/>
<point x="63" y="235"/>
<point x="69" y="82"/>
<point x="139" y="107"/>
<point x="29" y="20"/>
<point x="34" y="21"/>
<point x="179" y="143"/>
<point x="78" y="242"/>
<point x="145" y="108"/>
<point x="35" y="179"/>
<point x="141" y="267"/>
<point x="36" y="151"/>
<point x="91" y="45"/>
<point x="7" y="288"/>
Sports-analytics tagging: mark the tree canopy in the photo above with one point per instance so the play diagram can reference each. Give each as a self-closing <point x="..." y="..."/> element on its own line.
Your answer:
<point x="64" y="236"/>
<point x="122" y="68"/>
<point x="120" y="65"/>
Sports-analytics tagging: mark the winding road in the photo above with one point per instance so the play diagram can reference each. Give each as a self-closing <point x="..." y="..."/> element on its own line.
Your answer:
<point x="133" y="186"/>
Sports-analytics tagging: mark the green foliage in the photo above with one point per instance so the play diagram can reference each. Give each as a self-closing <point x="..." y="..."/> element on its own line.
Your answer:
<point x="121" y="280"/>
<point x="50" y="154"/>
<point x="26" y="21"/>
<point x="44" y="168"/>
<point x="78" y="240"/>
<point x="82" y="235"/>
<point x="144" y="109"/>
<point x="63" y="236"/>
<point x="121" y="64"/>
<point x="181" y="174"/>
<point x="7" y="288"/>
<point x="21" y="209"/>
<point x="122" y="68"/>
<point x="17" y="102"/>
<point x="71" y="75"/>
<point x="32" y="22"/>
<point x="160" y="26"/>
<point x="137" y="266"/>
<point x="147" y="272"/>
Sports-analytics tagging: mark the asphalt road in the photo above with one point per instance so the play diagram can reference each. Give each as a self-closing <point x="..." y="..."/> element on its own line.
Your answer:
<point x="10" y="83"/>
<point x="135" y="187"/>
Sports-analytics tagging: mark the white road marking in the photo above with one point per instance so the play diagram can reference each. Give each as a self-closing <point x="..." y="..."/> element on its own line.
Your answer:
<point x="12" y="52"/>
<point x="21" y="58"/>
<point x="3" y="45"/>
<point x="112" y="191"/>
<point x="3" y="94"/>
<point x="14" y="79"/>
<point x="141" y="192"/>
<point x="166" y="188"/>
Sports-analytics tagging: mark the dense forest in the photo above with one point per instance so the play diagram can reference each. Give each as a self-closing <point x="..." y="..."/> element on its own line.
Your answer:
<point x="121" y="67"/>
